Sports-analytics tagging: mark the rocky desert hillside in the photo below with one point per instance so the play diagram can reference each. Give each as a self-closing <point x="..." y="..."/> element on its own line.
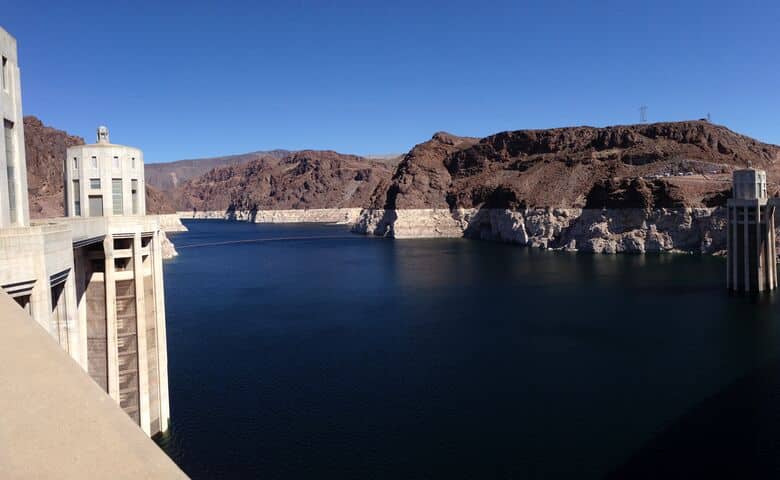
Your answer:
<point x="308" y="179"/>
<point x="630" y="188"/>
<point x="45" y="149"/>
<point x="650" y="166"/>
<point x="633" y="188"/>
<point x="167" y="176"/>
<point x="679" y="164"/>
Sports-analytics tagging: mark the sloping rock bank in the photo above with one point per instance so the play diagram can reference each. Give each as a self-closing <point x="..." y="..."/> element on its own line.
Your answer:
<point x="170" y="224"/>
<point x="630" y="230"/>
<point x="314" y="215"/>
<point x="623" y="230"/>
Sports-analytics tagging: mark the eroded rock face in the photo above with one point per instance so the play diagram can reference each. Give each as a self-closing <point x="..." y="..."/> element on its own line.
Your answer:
<point x="305" y="180"/>
<point x="45" y="149"/>
<point x="168" y="249"/>
<point x="663" y="165"/>
<point x="701" y="230"/>
<point x="169" y="175"/>
<point x="634" y="188"/>
<point x="344" y="216"/>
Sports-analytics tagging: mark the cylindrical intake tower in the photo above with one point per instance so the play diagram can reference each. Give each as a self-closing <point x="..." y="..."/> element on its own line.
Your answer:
<point x="103" y="179"/>
<point x="751" y="234"/>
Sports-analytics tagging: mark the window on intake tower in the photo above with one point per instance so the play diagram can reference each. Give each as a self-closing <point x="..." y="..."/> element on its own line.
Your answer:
<point x="4" y="74"/>
<point x="76" y="198"/>
<point x="10" y="161"/>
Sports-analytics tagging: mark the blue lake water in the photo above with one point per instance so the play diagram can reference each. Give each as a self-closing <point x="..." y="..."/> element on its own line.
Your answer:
<point x="323" y="354"/>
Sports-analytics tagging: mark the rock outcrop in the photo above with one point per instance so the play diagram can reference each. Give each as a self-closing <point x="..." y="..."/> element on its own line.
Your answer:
<point x="45" y="149"/>
<point x="169" y="175"/>
<point x="304" y="180"/>
<point x="629" y="230"/>
<point x="658" y="166"/>
<point x="343" y="216"/>
<point x="636" y="188"/>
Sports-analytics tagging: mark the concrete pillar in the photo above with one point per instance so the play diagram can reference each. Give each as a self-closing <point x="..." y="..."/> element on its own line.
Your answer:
<point x="759" y="241"/>
<point x="746" y="250"/>
<point x="80" y="293"/>
<point x="77" y="340"/>
<point x="772" y="260"/>
<point x="735" y="263"/>
<point x="140" y="309"/>
<point x="162" y="344"/>
<point x="111" y="333"/>
<point x="729" y="248"/>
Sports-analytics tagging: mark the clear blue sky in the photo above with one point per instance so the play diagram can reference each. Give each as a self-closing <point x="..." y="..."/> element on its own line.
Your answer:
<point x="195" y="78"/>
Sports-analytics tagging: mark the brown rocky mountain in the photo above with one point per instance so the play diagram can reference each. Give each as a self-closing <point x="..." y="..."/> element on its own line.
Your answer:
<point x="662" y="165"/>
<point x="45" y="149"/>
<point x="302" y="180"/>
<point x="169" y="175"/>
<point x="648" y="165"/>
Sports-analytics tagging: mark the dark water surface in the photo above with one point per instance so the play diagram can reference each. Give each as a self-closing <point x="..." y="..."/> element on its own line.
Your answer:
<point x="352" y="357"/>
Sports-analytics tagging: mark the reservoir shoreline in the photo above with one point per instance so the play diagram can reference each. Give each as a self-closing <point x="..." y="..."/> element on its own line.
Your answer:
<point x="620" y="230"/>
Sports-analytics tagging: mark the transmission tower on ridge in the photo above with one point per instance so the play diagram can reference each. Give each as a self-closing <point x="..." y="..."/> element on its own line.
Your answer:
<point x="643" y="114"/>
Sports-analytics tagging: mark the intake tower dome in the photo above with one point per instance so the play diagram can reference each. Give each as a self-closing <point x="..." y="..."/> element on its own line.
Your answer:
<point x="104" y="179"/>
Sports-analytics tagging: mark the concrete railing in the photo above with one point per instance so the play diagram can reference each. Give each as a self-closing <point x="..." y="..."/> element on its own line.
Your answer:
<point x="56" y="422"/>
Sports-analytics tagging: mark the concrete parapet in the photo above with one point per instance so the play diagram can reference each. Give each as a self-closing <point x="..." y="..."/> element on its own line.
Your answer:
<point x="63" y="425"/>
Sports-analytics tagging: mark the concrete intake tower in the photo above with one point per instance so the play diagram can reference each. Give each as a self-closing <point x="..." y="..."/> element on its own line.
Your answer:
<point x="751" y="234"/>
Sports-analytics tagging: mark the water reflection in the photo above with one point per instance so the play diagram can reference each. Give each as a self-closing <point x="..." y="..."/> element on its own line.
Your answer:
<point x="733" y="434"/>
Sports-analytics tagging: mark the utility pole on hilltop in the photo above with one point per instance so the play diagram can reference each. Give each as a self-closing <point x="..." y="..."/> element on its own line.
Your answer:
<point x="643" y="114"/>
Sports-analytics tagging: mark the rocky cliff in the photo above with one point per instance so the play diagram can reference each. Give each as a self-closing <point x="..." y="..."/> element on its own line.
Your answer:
<point x="634" y="188"/>
<point x="45" y="149"/>
<point x="169" y="175"/>
<point x="303" y="180"/>
<point x="629" y="230"/>
<point x="631" y="188"/>
<point x="677" y="164"/>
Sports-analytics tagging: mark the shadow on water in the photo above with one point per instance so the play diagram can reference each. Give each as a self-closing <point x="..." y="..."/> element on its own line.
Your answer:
<point x="731" y="434"/>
